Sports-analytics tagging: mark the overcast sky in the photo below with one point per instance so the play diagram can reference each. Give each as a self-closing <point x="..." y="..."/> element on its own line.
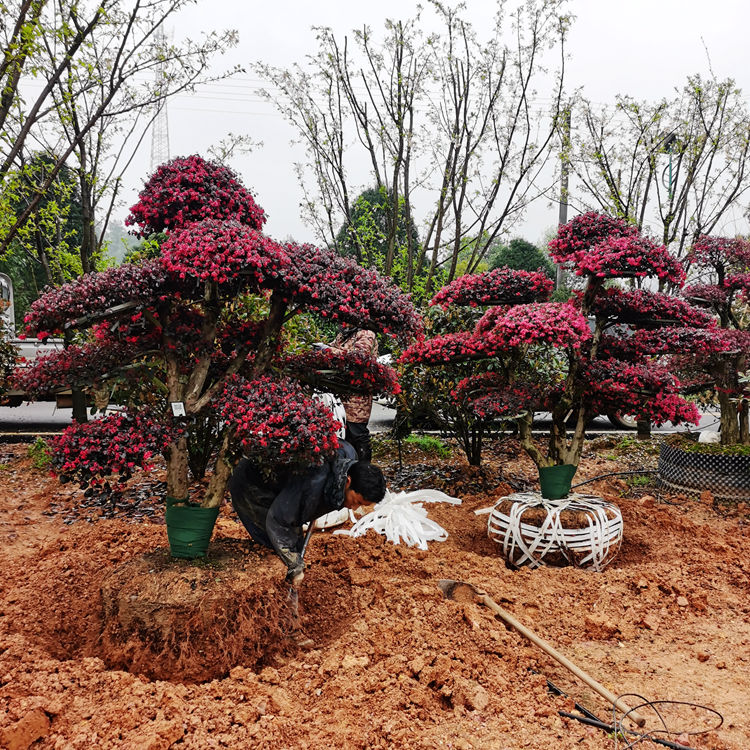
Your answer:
<point x="645" y="48"/>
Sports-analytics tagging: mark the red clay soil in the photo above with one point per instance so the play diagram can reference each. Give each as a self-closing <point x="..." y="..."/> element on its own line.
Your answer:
<point x="393" y="664"/>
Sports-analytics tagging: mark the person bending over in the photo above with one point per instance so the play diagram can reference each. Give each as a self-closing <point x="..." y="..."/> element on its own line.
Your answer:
<point x="274" y="510"/>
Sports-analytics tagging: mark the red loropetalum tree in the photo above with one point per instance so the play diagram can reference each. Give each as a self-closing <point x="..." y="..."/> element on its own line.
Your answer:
<point x="202" y="325"/>
<point x="596" y="353"/>
<point x="722" y="283"/>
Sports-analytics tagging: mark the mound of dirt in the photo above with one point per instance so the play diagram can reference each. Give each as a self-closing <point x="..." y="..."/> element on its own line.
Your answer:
<point x="185" y="620"/>
<point x="393" y="663"/>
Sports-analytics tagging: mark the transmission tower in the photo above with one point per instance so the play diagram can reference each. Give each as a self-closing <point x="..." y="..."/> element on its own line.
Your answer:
<point x="160" y="125"/>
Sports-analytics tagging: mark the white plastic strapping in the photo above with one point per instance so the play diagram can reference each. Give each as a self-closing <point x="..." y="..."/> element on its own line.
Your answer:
<point x="401" y="517"/>
<point x="336" y="407"/>
<point x="593" y="546"/>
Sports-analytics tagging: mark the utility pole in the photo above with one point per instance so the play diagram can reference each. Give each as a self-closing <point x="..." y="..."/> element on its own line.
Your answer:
<point x="160" y="125"/>
<point x="562" y="217"/>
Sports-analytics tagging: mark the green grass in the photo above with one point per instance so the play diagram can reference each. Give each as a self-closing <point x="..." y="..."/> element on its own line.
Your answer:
<point x="429" y="444"/>
<point x="39" y="455"/>
<point x="639" y="480"/>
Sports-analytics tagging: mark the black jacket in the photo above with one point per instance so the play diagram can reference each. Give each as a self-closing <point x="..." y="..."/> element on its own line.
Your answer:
<point x="274" y="511"/>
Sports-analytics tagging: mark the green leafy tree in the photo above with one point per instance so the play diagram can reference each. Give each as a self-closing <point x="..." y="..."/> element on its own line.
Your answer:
<point x="521" y="255"/>
<point x="102" y="71"/>
<point x="366" y="237"/>
<point x="45" y="249"/>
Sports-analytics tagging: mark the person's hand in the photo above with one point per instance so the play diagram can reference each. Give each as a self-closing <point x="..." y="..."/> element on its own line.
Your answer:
<point x="295" y="575"/>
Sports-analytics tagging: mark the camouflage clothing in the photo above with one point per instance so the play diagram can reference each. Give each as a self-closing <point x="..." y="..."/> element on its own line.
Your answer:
<point x="358" y="408"/>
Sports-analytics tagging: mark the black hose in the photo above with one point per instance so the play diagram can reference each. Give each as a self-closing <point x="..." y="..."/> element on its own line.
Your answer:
<point x="612" y="728"/>
<point x="592" y="720"/>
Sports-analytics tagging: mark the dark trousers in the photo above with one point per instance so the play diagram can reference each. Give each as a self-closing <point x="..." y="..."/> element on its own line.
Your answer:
<point x="359" y="436"/>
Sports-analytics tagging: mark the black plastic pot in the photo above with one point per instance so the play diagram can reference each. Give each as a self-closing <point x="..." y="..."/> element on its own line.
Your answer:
<point x="689" y="472"/>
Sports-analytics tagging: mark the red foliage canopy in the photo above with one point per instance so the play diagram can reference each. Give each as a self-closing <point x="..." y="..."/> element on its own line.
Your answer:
<point x="277" y="423"/>
<point x="502" y="286"/>
<point x="643" y="308"/>
<point x="720" y="253"/>
<point x="607" y="248"/>
<point x="96" y="293"/>
<point x="340" y="289"/>
<point x="586" y="231"/>
<point x="179" y="311"/>
<point x="646" y="390"/>
<point x="342" y="372"/>
<point x="116" y="444"/>
<point x="189" y="189"/>
<point x="220" y="251"/>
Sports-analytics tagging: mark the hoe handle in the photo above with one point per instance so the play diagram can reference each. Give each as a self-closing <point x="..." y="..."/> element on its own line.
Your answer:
<point x="504" y="615"/>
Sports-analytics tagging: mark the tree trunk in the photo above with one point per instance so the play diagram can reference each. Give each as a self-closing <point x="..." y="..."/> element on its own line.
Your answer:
<point x="744" y="422"/>
<point x="88" y="231"/>
<point x="177" y="469"/>
<point x="644" y="429"/>
<point x="222" y="471"/>
<point x="729" y="426"/>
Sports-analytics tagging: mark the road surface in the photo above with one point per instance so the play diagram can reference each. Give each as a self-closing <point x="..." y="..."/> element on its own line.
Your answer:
<point x="44" y="416"/>
<point x="382" y="421"/>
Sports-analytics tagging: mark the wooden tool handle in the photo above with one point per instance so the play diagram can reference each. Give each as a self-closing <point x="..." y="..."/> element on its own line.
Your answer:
<point x="557" y="656"/>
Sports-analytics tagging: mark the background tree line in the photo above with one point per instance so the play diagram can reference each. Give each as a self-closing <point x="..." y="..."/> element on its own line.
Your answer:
<point x="81" y="83"/>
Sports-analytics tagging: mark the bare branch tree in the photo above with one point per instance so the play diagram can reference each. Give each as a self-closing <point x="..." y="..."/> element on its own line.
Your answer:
<point x="442" y="120"/>
<point x="101" y="96"/>
<point x="676" y="166"/>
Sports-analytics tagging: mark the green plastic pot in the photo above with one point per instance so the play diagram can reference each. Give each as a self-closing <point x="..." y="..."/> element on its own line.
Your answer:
<point x="189" y="528"/>
<point x="555" y="481"/>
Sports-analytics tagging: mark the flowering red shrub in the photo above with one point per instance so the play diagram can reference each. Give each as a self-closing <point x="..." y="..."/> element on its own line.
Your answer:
<point x="721" y="265"/>
<point x="501" y="286"/>
<point x="76" y="365"/>
<point x="624" y="257"/>
<point x="738" y="282"/>
<point x="491" y="396"/>
<point x="340" y="289"/>
<point x="95" y="293"/>
<point x="607" y="248"/>
<point x="203" y="325"/>
<point x="648" y="391"/>
<point x="559" y="356"/>
<point x="277" y="423"/>
<point x="189" y="189"/>
<point x="696" y="342"/>
<point x="115" y="444"/>
<point x="557" y="324"/>
<point x="220" y="251"/>
<point x="452" y="347"/>
<point x="342" y="372"/>
<point x="706" y="295"/>
<point x="720" y="253"/>
<point x="647" y="309"/>
<point x="584" y="232"/>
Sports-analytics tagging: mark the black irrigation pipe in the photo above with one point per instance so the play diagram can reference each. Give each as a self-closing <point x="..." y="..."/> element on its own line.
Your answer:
<point x="615" y="474"/>
<point x="612" y="729"/>
<point x="592" y="720"/>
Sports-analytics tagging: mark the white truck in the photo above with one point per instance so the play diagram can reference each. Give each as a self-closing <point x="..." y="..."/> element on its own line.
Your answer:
<point x="28" y="349"/>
